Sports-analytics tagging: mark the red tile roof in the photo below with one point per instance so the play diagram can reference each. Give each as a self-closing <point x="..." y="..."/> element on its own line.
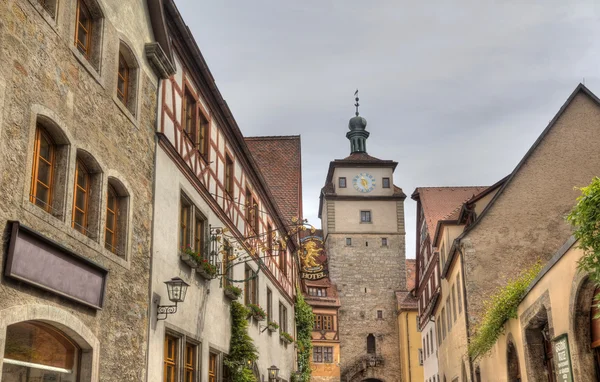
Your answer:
<point x="279" y="161"/>
<point x="439" y="203"/>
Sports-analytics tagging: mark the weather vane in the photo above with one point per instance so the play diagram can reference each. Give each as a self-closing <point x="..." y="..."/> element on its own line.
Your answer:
<point x="356" y="104"/>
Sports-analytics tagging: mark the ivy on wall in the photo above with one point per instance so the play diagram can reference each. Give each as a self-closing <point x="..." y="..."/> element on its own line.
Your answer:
<point x="585" y="218"/>
<point x="242" y="351"/>
<point x="499" y="308"/>
<point x="305" y="321"/>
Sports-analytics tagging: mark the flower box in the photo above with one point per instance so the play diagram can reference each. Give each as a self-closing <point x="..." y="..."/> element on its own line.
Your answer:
<point x="188" y="259"/>
<point x="257" y="312"/>
<point x="272" y="326"/>
<point x="232" y="292"/>
<point x="206" y="269"/>
<point x="286" y="337"/>
<point x="204" y="273"/>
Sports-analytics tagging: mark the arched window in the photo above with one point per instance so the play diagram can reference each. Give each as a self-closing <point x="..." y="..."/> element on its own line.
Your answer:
<point x="37" y="351"/>
<point x="115" y="230"/>
<point x="85" y="194"/>
<point x="512" y="361"/>
<point x="127" y="73"/>
<point x="371" y="343"/>
<point x="88" y="31"/>
<point x="49" y="165"/>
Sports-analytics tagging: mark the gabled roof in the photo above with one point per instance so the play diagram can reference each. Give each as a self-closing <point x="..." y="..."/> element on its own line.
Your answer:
<point x="411" y="267"/>
<point x="279" y="161"/>
<point x="438" y="203"/>
<point x="407" y="300"/>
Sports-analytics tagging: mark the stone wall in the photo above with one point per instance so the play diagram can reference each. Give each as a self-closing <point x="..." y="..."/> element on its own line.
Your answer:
<point x="43" y="77"/>
<point x="366" y="278"/>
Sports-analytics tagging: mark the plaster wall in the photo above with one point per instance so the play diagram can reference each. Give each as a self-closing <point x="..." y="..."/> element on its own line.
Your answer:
<point x="452" y="352"/>
<point x="204" y="316"/>
<point x="383" y="216"/>
<point x="560" y="284"/>
<point x="526" y="222"/>
<point x="430" y="363"/>
<point x="350" y="173"/>
<point x="42" y="76"/>
<point x="410" y="340"/>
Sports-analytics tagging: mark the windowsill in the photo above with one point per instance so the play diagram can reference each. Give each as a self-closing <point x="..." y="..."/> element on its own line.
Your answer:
<point x="366" y="222"/>
<point x="126" y="111"/>
<point x="95" y="73"/>
<point x="61" y="225"/>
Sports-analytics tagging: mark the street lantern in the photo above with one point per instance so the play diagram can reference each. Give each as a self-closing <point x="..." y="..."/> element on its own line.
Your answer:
<point x="273" y="373"/>
<point x="176" y="288"/>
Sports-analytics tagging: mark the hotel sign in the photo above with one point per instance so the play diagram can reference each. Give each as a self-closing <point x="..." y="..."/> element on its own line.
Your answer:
<point x="312" y="258"/>
<point x="562" y="359"/>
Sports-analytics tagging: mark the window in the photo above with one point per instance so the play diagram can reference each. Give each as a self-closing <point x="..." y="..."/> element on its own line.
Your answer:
<point x="342" y="182"/>
<point x="454" y="301"/>
<point x="251" y="210"/>
<point x="185" y="213"/>
<point x="227" y="265"/>
<point x="202" y="136"/>
<point x="189" y="114"/>
<point x="448" y="314"/>
<point x="328" y="354"/>
<point x="386" y="183"/>
<point x="424" y="351"/>
<point x="319" y="292"/>
<point x="228" y="175"/>
<point x="270" y="245"/>
<point x="112" y="211"/>
<point x="283" y="317"/>
<point x="199" y="233"/>
<point x="420" y="356"/>
<point x="439" y="331"/>
<point x="283" y="259"/>
<point x="191" y="351"/>
<point x="348" y="241"/>
<point x="323" y="322"/>
<point x="380" y="314"/>
<point x="269" y="306"/>
<point x="170" y="359"/>
<point x="250" y="286"/>
<point x="123" y="79"/>
<point x="83" y="33"/>
<point x="212" y="367"/>
<point x="318" y="354"/>
<point x="49" y="6"/>
<point x="81" y="198"/>
<point x="442" y="319"/>
<point x="42" y="175"/>
<point x="371" y="343"/>
<point x="365" y="216"/>
<point x="384" y="242"/>
<point x="431" y="339"/>
<point x="37" y="351"/>
<point x="458" y="286"/>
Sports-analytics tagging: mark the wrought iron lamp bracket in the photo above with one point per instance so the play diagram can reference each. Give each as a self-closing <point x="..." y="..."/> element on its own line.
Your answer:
<point x="165" y="310"/>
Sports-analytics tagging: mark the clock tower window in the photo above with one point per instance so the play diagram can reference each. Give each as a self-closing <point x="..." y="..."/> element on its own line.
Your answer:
<point x="385" y="183"/>
<point x="342" y="182"/>
<point x="365" y="216"/>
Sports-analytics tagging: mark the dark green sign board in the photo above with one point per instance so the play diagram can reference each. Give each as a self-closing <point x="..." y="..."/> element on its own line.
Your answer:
<point x="562" y="359"/>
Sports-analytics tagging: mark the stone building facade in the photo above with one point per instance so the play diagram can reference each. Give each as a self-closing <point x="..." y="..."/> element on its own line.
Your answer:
<point x="362" y="215"/>
<point x="215" y="208"/>
<point x="77" y="116"/>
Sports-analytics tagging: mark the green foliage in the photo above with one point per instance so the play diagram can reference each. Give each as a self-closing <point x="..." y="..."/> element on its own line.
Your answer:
<point x="499" y="308"/>
<point x="305" y="321"/>
<point x="287" y="336"/>
<point x="234" y="290"/>
<point x="257" y="311"/>
<point x="585" y="218"/>
<point x="242" y="351"/>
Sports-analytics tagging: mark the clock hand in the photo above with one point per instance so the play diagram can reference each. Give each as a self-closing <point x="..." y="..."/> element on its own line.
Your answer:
<point x="363" y="181"/>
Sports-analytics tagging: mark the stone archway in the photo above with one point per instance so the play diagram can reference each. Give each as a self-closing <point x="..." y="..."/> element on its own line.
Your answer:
<point x="70" y="325"/>
<point x="512" y="361"/>
<point x="582" y="354"/>
<point x="538" y="332"/>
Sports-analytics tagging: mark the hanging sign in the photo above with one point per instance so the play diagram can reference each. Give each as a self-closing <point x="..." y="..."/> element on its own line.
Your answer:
<point x="312" y="258"/>
<point x="562" y="359"/>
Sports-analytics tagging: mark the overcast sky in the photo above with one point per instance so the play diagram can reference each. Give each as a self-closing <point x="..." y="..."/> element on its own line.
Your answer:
<point x="454" y="91"/>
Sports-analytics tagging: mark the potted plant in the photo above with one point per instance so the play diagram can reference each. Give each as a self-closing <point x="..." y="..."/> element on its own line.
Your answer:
<point x="206" y="269"/>
<point x="257" y="312"/>
<point x="232" y="292"/>
<point x="188" y="256"/>
<point x="286" y="337"/>
<point x="273" y="326"/>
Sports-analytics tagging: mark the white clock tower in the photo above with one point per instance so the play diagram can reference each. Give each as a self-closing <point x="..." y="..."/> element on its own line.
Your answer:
<point x="362" y="215"/>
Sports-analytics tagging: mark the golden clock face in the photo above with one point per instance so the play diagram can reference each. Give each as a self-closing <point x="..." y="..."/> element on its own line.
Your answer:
<point x="364" y="182"/>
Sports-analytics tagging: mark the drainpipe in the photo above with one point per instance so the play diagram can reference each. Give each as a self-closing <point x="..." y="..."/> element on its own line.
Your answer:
<point x="464" y="292"/>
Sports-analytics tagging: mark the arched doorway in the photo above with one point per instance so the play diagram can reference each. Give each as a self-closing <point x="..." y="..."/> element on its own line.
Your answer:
<point x="540" y="357"/>
<point x="371" y="347"/>
<point x="512" y="363"/>
<point x="584" y="350"/>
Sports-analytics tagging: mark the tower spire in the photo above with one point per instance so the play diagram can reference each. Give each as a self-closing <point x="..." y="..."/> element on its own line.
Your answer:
<point x="357" y="134"/>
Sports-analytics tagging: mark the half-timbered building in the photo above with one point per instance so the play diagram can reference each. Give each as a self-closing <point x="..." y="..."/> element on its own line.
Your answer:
<point x="217" y="222"/>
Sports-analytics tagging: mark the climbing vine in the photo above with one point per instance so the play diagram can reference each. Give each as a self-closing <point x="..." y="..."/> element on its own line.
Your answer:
<point x="305" y="321"/>
<point x="242" y="352"/>
<point x="585" y="218"/>
<point x="499" y="308"/>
